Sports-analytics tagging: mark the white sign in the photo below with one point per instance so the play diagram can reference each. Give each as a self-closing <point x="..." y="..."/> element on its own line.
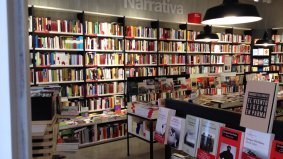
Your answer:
<point x="163" y="6"/>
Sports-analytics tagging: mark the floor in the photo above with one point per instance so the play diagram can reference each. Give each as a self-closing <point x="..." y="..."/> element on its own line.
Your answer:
<point x="118" y="150"/>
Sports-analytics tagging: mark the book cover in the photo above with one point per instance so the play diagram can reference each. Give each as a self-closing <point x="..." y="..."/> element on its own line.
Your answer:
<point x="176" y="132"/>
<point x="208" y="139"/>
<point x="257" y="145"/>
<point x="191" y="134"/>
<point x="230" y="143"/>
<point x="259" y="105"/>
<point x="276" y="150"/>
<point x="162" y="124"/>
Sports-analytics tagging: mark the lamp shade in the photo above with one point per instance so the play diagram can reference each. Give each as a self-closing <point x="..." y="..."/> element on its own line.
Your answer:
<point x="265" y="41"/>
<point x="231" y="12"/>
<point x="206" y="35"/>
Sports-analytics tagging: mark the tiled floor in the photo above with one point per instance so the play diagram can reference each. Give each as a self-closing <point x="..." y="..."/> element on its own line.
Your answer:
<point x="118" y="150"/>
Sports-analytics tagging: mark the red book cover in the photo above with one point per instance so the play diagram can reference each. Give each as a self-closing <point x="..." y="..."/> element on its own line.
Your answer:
<point x="102" y="59"/>
<point x="230" y="143"/>
<point x="277" y="150"/>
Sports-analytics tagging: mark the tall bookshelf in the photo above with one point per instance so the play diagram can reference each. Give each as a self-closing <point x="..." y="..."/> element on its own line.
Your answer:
<point x="100" y="51"/>
<point x="277" y="53"/>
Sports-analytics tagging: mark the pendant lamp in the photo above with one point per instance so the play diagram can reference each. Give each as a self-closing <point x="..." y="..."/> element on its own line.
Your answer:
<point x="265" y="41"/>
<point x="206" y="35"/>
<point x="231" y="12"/>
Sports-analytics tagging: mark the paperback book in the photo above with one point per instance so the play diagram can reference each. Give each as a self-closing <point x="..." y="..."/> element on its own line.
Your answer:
<point x="176" y="132"/>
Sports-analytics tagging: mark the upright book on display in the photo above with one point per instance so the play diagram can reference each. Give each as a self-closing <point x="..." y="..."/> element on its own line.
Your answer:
<point x="162" y="124"/>
<point x="208" y="139"/>
<point x="260" y="103"/>
<point x="276" y="150"/>
<point x="176" y="133"/>
<point x="230" y="143"/>
<point x="257" y="145"/>
<point x="191" y="135"/>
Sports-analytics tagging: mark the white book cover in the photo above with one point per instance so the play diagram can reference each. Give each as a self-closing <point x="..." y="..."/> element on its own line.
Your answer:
<point x="259" y="105"/>
<point x="208" y="137"/>
<point x="257" y="145"/>
<point x="176" y="132"/>
<point x="191" y="135"/>
<point x="162" y="124"/>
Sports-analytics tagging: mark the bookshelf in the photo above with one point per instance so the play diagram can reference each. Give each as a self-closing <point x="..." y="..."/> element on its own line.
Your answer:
<point x="97" y="52"/>
<point x="277" y="52"/>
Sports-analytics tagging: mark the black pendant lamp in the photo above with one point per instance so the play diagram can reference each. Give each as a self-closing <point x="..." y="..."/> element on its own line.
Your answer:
<point x="231" y="12"/>
<point x="265" y="41"/>
<point x="206" y="35"/>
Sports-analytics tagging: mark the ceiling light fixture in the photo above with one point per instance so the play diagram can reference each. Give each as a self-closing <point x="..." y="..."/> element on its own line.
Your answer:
<point x="206" y="35"/>
<point x="265" y="41"/>
<point x="231" y="12"/>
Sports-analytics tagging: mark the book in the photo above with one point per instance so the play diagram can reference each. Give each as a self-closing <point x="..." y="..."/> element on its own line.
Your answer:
<point x="259" y="105"/>
<point x="208" y="139"/>
<point x="276" y="150"/>
<point x="162" y="124"/>
<point x="176" y="132"/>
<point x="230" y="143"/>
<point x="191" y="134"/>
<point x="257" y="145"/>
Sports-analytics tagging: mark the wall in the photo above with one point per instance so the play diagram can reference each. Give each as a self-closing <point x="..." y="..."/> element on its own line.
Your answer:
<point x="273" y="10"/>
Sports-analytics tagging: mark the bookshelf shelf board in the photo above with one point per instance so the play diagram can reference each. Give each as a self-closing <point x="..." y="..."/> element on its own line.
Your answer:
<point x="102" y="14"/>
<point x="241" y="53"/>
<point x="196" y="52"/>
<point x="276" y="52"/>
<point x="198" y="64"/>
<point x="215" y="64"/>
<point x="119" y="65"/>
<point x="140" y="38"/>
<point x="46" y="49"/>
<point x="105" y="80"/>
<point x="103" y="95"/>
<point x="91" y="50"/>
<point x="240" y="64"/>
<point x="241" y="43"/>
<point x="260" y="65"/>
<point x="122" y="118"/>
<point x="58" y="66"/>
<point x="222" y="42"/>
<point x="277" y="63"/>
<point x="140" y="65"/>
<point x="260" y="56"/>
<point x="221" y="53"/>
<point x="56" y="33"/>
<point x="135" y="51"/>
<point x="278" y="43"/>
<point x="172" y="52"/>
<point x="200" y="42"/>
<point x="102" y="141"/>
<point x="74" y="97"/>
<point x="104" y="36"/>
<point x="172" y="64"/>
<point x="59" y="82"/>
<point x="180" y="40"/>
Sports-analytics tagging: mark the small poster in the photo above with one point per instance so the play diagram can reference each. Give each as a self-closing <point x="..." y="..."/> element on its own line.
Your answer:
<point x="227" y="64"/>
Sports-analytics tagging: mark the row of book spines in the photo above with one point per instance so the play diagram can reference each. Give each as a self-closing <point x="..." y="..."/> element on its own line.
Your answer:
<point x="257" y="69"/>
<point x="103" y="44"/>
<point x="146" y="97"/>
<point x="104" y="74"/>
<point x="105" y="88"/>
<point x="278" y="48"/>
<point x="132" y="59"/>
<point x="72" y="91"/>
<point x="276" y="58"/>
<point x="172" y="59"/>
<point x="191" y="35"/>
<point x="57" y="75"/>
<point x="141" y="71"/>
<point x="79" y="103"/>
<point x="111" y="131"/>
<point x="171" y="70"/>
<point x="277" y="38"/>
<point x="103" y="28"/>
<point x="198" y="59"/>
<point x="57" y="59"/>
<point x="43" y="24"/>
<point x="166" y="33"/>
<point x="174" y="95"/>
<point x="57" y="42"/>
<point x="139" y="31"/>
<point x="141" y="45"/>
<point x="171" y="46"/>
<point x="217" y="91"/>
<point x="101" y="103"/>
<point x="105" y="59"/>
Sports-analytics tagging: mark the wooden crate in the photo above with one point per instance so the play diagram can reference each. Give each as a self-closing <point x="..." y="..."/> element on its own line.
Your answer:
<point x="44" y="144"/>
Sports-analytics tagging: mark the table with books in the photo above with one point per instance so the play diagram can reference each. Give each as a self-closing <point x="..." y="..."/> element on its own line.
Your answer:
<point x="141" y="123"/>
